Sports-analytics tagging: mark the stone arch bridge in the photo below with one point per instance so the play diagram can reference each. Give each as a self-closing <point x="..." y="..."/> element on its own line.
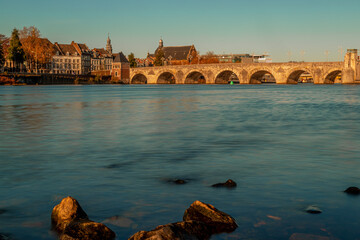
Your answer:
<point x="282" y="73"/>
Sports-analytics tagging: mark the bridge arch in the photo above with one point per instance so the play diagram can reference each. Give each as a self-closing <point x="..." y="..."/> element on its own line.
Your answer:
<point x="330" y="76"/>
<point x="195" y="77"/>
<point x="226" y="76"/>
<point x="296" y="74"/>
<point x="166" y="78"/>
<point x="259" y="76"/>
<point x="139" y="78"/>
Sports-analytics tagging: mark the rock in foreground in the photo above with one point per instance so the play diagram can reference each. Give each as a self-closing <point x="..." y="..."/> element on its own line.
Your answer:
<point x="71" y="222"/>
<point x="217" y="220"/>
<point x="229" y="183"/>
<point x="85" y="229"/>
<point x="353" y="190"/>
<point x="68" y="210"/>
<point x="200" y="222"/>
<point x="188" y="230"/>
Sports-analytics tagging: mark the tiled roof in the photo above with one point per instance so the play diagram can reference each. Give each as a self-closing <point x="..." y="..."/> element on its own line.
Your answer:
<point x="177" y="52"/>
<point x="83" y="47"/>
<point x="50" y="45"/>
<point x="101" y="52"/>
<point x="120" y="57"/>
<point x="72" y="49"/>
<point x="64" y="49"/>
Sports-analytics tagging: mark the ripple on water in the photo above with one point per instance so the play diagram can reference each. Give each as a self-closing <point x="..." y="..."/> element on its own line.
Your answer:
<point x="115" y="148"/>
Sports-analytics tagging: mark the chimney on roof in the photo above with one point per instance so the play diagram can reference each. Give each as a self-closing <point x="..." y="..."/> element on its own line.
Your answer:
<point x="161" y="43"/>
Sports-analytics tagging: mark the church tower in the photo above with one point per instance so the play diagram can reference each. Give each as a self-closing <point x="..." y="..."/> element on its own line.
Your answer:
<point x="108" y="45"/>
<point x="161" y="43"/>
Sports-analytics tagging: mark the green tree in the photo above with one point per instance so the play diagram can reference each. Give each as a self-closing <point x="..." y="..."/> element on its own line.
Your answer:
<point x="3" y="38"/>
<point x="132" y="61"/>
<point x="2" y="58"/>
<point x="159" y="56"/>
<point x="15" y="52"/>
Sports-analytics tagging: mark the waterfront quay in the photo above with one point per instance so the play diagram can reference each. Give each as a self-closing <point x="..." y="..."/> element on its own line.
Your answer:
<point x="347" y="71"/>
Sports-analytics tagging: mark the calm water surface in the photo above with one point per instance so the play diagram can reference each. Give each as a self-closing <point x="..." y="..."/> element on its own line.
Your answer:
<point x="114" y="148"/>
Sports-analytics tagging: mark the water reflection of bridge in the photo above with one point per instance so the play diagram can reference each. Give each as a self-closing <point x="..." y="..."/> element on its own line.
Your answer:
<point x="255" y="73"/>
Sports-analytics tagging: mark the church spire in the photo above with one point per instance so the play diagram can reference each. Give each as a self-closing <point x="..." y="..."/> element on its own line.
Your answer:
<point x="161" y="43"/>
<point x="108" y="45"/>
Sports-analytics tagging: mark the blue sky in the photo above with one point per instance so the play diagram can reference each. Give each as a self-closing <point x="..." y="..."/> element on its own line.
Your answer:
<point x="228" y="26"/>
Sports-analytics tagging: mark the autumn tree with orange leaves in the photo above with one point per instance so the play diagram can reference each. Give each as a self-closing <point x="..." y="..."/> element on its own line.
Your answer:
<point x="38" y="51"/>
<point x="209" y="57"/>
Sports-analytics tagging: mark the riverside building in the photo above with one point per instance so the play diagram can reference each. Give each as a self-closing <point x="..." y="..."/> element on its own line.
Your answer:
<point x="74" y="58"/>
<point x="102" y="59"/>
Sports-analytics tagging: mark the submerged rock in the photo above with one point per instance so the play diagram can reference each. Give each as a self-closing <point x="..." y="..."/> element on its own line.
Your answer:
<point x="304" y="236"/>
<point x="119" y="221"/>
<point x="313" y="209"/>
<point x="229" y="183"/>
<point x="187" y="230"/>
<point x="179" y="181"/>
<point x="71" y="222"/>
<point x="352" y="191"/>
<point x="217" y="220"/>
<point x="5" y="237"/>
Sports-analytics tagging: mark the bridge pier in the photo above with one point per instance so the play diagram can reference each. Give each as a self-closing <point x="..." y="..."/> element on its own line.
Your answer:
<point x="351" y="67"/>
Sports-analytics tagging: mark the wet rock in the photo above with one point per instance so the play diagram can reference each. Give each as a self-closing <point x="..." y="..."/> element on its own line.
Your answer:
<point x="71" y="222"/>
<point x="229" y="183"/>
<point x="218" y="221"/>
<point x="177" y="181"/>
<point x="68" y="210"/>
<point x="313" y="209"/>
<point x="200" y="222"/>
<point x="187" y="230"/>
<point x="85" y="229"/>
<point x="304" y="236"/>
<point x="352" y="191"/>
<point x="180" y="181"/>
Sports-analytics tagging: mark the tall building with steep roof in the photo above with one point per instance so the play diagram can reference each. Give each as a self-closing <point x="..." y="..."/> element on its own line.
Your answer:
<point x="120" y="68"/>
<point x="74" y="58"/>
<point x="108" y="45"/>
<point x="101" y="59"/>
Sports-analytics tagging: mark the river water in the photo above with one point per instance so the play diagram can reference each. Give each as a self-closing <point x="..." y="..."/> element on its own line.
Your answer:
<point x="115" y="149"/>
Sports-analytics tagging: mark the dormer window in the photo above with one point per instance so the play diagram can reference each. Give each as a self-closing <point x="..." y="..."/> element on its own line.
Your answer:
<point x="57" y="53"/>
<point x="67" y="53"/>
